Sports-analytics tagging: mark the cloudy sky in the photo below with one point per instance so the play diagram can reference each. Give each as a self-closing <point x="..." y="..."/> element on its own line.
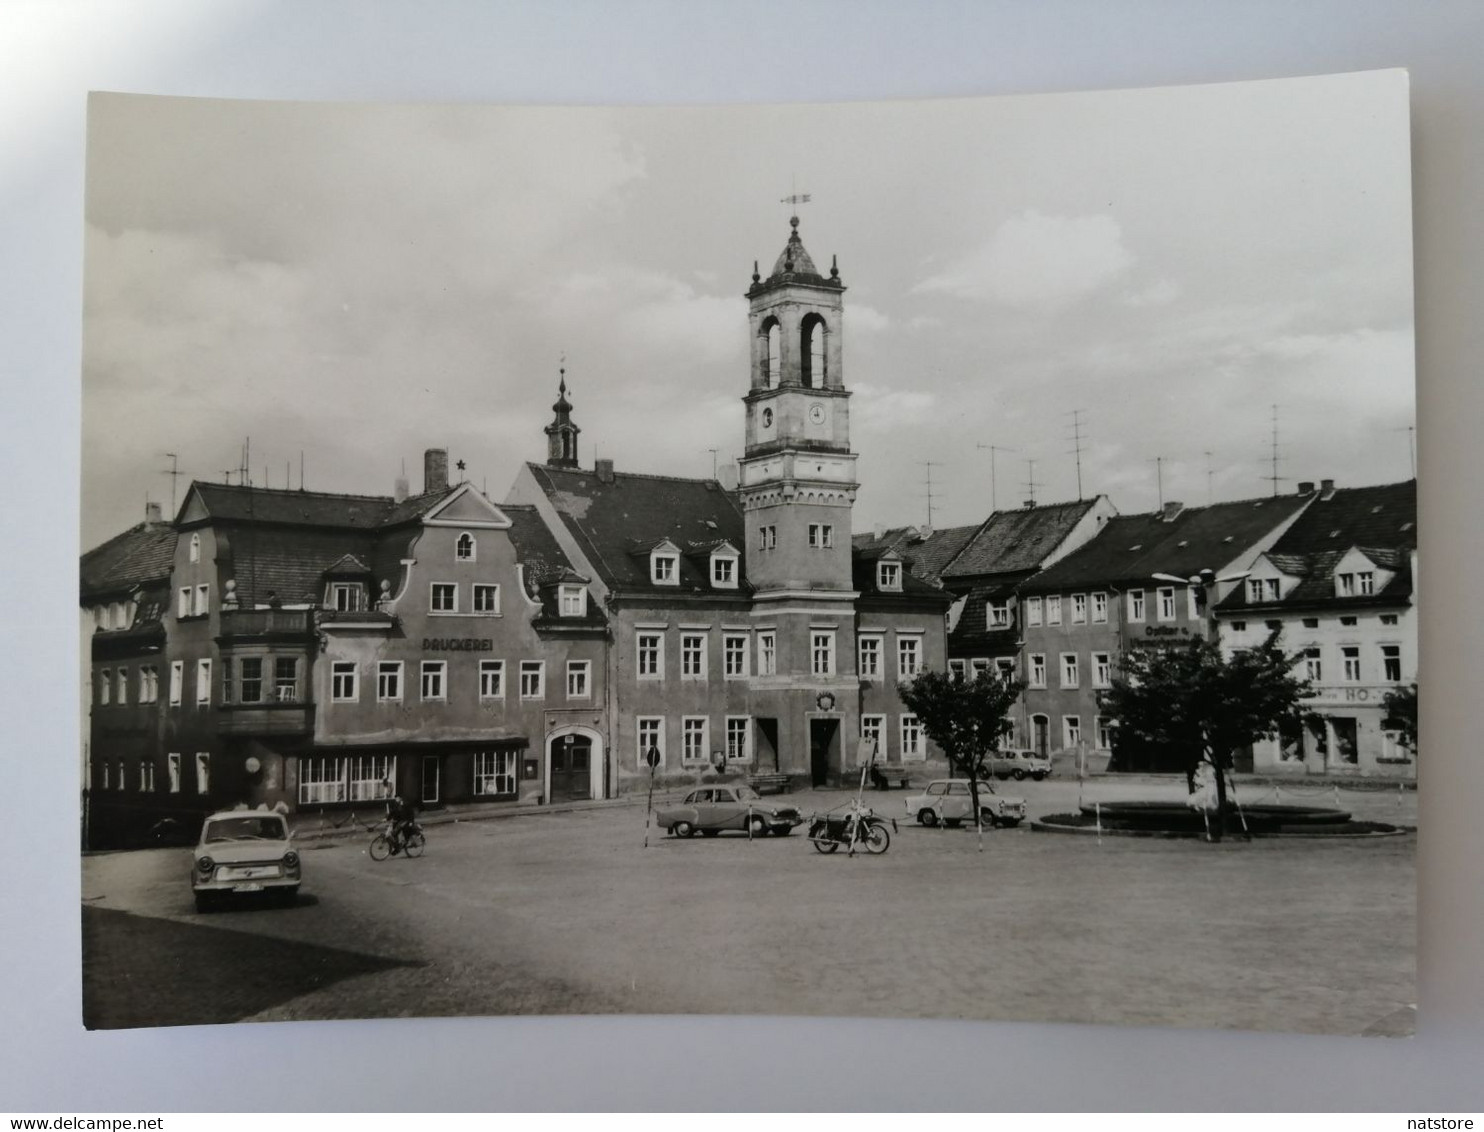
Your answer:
<point x="358" y="283"/>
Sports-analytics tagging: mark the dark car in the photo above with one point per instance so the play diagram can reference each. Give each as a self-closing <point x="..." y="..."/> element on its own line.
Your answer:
<point x="711" y="809"/>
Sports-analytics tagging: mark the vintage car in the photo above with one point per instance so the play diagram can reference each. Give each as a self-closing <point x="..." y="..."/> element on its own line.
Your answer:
<point x="710" y="809"/>
<point x="1018" y="764"/>
<point x="949" y="801"/>
<point x="244" y="851"/>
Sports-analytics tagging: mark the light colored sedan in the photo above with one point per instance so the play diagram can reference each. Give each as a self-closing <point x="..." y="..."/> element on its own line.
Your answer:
<point x="1018" y="764"/>
<point x="244" y="851"/>
<point x="711" y="809"/>
<point x="948" y="800"/>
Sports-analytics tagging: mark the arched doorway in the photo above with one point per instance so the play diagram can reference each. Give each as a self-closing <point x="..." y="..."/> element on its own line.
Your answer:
<point x="1041" y="734"/>
<point x="574" y="764"/>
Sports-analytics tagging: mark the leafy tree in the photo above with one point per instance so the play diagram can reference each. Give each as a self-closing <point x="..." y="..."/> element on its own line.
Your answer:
<point x="1401" y="714"/>
<point x="1205" y="706"/>
<point x="967" y="719"/>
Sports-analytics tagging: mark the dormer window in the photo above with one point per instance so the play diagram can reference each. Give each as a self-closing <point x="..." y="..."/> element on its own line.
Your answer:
<point x="889" y="576"/>
<point x="724" y="571"/>
<point x="1345" y="585"/>
<point x="572" y="601"/>
<point x="464" y="547"/>
<point x="345" y="597"/>
<point x="664" y="569"/>
<point x="1263" y="589"/>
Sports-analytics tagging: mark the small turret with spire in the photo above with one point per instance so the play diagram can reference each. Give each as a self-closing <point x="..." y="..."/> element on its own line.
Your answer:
<point x="561" y="434"/>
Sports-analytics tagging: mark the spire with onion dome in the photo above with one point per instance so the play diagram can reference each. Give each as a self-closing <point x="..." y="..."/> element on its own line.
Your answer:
<point x="561" y="434"/>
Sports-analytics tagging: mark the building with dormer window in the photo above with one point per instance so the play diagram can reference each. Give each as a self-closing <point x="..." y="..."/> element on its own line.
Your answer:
<point x="1340" y="586"/>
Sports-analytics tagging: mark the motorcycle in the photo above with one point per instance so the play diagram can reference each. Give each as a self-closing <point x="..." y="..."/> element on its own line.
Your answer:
<point x="857" y="825"/>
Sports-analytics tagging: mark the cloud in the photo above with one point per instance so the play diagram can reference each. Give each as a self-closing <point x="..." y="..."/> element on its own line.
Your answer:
<point x="876" y="408"/>
<point x="1034" y="260"/>
<point x="866" y="319"/>
<point x="1158" y="294"/>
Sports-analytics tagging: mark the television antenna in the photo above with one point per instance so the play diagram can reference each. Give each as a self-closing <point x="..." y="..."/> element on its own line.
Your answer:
<point x="994" y="449"/>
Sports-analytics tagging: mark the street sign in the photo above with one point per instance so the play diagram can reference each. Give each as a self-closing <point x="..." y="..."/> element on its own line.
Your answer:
<point x="652" y="756"/>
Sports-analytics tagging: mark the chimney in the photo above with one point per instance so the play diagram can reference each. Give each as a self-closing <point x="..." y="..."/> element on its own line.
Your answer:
<point x="1029" y="503"/>
<point x="1171" y="510"/>
<point x="435" y="470"/>
<point x="1305" y="487"/>
<point x="152" y="513"/>
<point x="604" y="470"/>
<point x="1326" y="488"/>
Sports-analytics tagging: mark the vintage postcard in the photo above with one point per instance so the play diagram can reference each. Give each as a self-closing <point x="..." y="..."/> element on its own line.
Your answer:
<point x="940" y="559"/>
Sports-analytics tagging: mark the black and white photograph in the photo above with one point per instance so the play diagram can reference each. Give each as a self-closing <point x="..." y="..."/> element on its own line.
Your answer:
<point x="937" y="559"/>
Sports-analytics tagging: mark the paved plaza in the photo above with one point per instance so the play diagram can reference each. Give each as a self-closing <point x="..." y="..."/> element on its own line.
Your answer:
<point x="570" y="913"/>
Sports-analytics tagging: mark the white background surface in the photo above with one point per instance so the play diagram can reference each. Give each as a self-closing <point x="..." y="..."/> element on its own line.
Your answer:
<point x="51" y="54"/>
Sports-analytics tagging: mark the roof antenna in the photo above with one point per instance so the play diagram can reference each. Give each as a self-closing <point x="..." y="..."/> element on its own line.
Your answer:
<point x="173" y="473"/>
<point x="994" y="499"/>
<point x="1077" y="438"/>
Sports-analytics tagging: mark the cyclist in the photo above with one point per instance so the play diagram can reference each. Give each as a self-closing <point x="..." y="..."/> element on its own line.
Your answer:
<point x="400" y="819"/>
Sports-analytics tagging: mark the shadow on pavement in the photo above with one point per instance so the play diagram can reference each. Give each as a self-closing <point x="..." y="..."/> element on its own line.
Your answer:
<point x="216" y="974"/>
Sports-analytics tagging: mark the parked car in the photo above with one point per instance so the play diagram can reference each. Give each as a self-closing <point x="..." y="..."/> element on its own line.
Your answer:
<point x="949" y="800"/>
<point x="1018" y="764"/>
<point x="244" y="851"/>
<point x="711" y="809"/>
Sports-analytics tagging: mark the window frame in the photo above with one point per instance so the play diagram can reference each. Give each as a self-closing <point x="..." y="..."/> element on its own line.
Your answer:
<point x="1071" y="670"/>
<point x="889" y="577"/>
<point x="997" y="614"/>
<point x="1166" y="607"/>
<point x="1391" y="661"/>
<point x="735" y="654"/>
<point x="571" y="600"/>
<point x="583" y="671"/>
<point x="695" y="644"/>
<point x="664" y="568"/>
<point x="1033" y="612"/>
<point x="1350" y="664"/>
<point x="649" y="647"/>
<point x="767" y="652"/>
<point x="203" y="772"/>
<point x="1079" y="609"/>
<point x="822" y="647"/>
<point x="1136" y="606"/>
<point x="438" y="590"/>
<point x="1102" y="670"/>
<point x="432" y="674"/>
<point x="910" y="736"/>
<point x="731" y="564"/>
<point x="909" y="643"/>
<point x="172" y="772"/>
<point x="688" y="730"/>
<point x="491" y="668"/>
<point x="203" y="682"/>
<point x="1035" y="673"/>
<point x="1053" y="609"/>
<point x="177" y="682"/>
<point x="465" y="538"/>
<point x="389" y="674"/>
<point x="536" y="668"/>
<point x="738" y="724"/>
<point x="873" y="726"/>
<point x="821" y="536"/>
<point x="492" y="767"/>
<point x="1071" y="732"/>
<point x="488" y="593"/>
<point x="877" y="641"/>
<point x="340" y="679"/>
<point x="1098" y="600"/>
<point x="656" y="726"/>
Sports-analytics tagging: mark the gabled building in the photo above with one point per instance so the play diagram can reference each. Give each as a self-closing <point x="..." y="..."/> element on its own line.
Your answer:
<point x="1340" y="587"/>
<point x="986" y="625"/>
<point x="308" y="650"/>
<point x="1137" y="585"/>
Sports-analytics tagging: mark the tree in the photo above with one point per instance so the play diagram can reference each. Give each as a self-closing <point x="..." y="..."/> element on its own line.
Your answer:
<point x="967" y="719"/>
<point x="1205" y="706"/>
<point x="1401" y="714"/>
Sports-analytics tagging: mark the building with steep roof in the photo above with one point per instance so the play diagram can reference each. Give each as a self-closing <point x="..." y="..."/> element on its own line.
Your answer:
<point x="305" y="650"/>
<point x="1137" y="585"/>
<point x="746" y="626"/>
<point x="1340" y="588"/>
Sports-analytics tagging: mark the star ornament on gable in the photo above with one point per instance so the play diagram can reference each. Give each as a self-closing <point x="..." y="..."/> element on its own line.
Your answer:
<point x="460" y="465"/>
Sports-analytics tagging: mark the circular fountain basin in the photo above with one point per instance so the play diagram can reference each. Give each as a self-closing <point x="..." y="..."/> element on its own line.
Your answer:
<point x="1177" y="819"/>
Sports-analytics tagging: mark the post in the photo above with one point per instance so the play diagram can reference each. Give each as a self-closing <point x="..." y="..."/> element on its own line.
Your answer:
<point x="652" y="757"/>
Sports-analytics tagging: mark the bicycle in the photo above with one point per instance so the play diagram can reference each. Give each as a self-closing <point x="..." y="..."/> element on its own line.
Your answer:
<point x="388" y="843"/>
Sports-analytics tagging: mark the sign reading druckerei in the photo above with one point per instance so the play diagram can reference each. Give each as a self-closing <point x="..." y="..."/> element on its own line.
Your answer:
<point x="457" y="644"/>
